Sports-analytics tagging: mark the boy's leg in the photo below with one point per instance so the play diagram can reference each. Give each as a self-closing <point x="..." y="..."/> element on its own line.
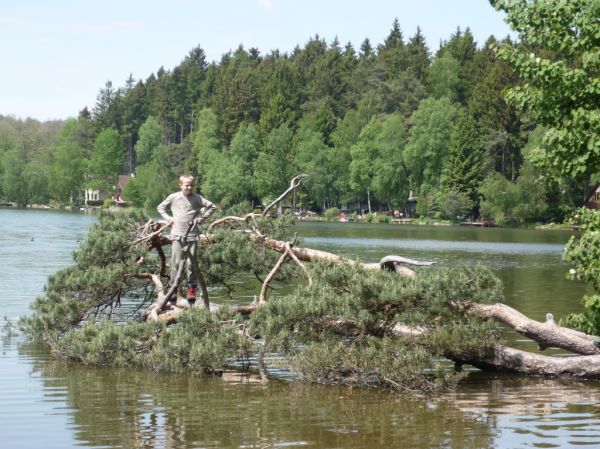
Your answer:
<point x="176" y="259"/>
<point x="192" y="267"/>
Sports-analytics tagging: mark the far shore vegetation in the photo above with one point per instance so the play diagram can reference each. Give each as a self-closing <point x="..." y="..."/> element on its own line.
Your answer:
<point x="371" y="126"/>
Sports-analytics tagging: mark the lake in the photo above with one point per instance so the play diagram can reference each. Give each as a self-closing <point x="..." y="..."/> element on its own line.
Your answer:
<point x="53" y="404"/>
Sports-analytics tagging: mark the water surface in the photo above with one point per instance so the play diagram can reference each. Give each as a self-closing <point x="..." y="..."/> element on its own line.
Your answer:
<point x="53" y="404"/>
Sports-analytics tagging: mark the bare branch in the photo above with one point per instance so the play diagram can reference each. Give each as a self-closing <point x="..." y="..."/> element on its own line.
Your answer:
<point x="232" y="218"/>
<point x="294" y="183"/>
<point x="262" y="298"/>
<point x="547" y="334"/>
<point x="146" y="238"/>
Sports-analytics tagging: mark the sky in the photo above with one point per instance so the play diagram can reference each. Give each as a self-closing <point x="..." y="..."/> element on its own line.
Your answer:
<point x="57" y="54"/>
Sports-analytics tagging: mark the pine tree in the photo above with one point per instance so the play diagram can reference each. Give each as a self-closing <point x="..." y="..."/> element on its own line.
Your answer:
<point x="465" y="168"/>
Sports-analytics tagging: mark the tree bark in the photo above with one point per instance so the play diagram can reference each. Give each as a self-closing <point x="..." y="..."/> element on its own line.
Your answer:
<point x="547" y="334"/>
<point x="503" y="358"/>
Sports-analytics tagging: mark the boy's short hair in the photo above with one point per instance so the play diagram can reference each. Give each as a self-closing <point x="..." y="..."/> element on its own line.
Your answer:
<point x="187" y="178"/>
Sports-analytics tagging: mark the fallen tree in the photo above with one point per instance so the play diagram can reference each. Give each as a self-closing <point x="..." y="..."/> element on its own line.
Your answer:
<point x="347" y="322"/>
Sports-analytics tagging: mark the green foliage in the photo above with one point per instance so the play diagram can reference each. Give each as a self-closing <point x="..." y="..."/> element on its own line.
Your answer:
<point x="390" y="182"/>
<point x="273" y="169"/>
<point x="232" y="253"/>
<point x="331" y="214"/>
<point x="583" y="253"/>
<point x="249" y="122"/>
<point x="453" y="205"/>
<point x="520" y="202"/>
<point x="67" y="169"/>
<point x="201" y="342"/>
<point x="153" y="182"/>
<point x="205" y="142"/>
<point x="104" y="269"/>
<point x="359" y="349"/>
<point x="443" y="77"/>
<point x="380" y="218"/>
<point x="13" y="181"/>
<point x="429" y="142"/>
<point x="106" y="160"/>
<point x="150" y="137"/>
<point x="465" y="166"/>
<point x="338" y="329"/>
<point x="364" y="152"/>
<point x="562" y="89"/>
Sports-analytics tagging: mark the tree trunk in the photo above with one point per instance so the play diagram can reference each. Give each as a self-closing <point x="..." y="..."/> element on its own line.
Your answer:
<point x="547" y="334"/>
<point x="503" y="358"/>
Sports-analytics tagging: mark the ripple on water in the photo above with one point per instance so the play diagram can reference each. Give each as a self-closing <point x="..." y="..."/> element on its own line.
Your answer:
<point x="57" y="405"/>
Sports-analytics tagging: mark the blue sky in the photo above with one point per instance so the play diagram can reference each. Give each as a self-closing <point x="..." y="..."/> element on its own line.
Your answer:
<point x="57" y="54"/>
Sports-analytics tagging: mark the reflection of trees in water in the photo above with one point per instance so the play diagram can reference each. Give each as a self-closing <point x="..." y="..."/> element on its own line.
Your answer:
<point x="497" y="394"/>
<point x="140" y="409"/>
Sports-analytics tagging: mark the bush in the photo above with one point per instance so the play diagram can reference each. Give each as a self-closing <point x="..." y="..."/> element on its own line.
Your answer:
<point x="507" y="202"/>
<point x="424" y="206"/>
<point x="108" y="202"/>
<point x="583" y="253"/>
<point x="380" y="218"/>
<point x="331" y="214"/>
<point x="453" y="205"/>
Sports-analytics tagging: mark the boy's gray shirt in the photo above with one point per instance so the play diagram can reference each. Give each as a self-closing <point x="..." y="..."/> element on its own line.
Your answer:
<point x="183" y="210"/>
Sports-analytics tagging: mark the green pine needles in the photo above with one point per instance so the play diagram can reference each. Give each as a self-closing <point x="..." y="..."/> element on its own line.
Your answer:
<point x="341" y="328"/>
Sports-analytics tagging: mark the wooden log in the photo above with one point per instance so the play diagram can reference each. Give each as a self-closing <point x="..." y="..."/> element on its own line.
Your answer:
<point x="504" y="358"/>
<point x="547" y="334"/>
<point x="311" y="255"/>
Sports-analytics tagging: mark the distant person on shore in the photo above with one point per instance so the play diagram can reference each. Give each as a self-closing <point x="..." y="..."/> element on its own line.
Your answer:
<point x="188" y="209"/>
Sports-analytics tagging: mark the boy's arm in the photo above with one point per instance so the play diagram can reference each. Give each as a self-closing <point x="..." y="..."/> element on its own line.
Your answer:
<point x="209" y="208"/>
<point x="162" y="209"/>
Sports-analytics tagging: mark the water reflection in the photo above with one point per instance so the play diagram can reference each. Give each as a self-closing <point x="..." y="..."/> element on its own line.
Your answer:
<point x="142" y="409"/>
<point x="57" y="405"/>
<point x="137" y="408"/>
<point x="534" y="412"/>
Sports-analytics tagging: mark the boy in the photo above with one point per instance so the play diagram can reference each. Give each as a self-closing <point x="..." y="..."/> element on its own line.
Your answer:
<point x="186" y="209"/>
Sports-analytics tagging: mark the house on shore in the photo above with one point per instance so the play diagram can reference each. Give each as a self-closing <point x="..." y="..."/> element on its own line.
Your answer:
<point x="96" y="197"/>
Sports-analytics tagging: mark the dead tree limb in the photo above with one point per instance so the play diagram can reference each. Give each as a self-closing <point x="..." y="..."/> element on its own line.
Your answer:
<point x="162" y="298"/>
<point x="503" y="358"/>
<point x="262" y="298"/>
<point x="148" y="237"/>
<point x="294" y="183"/>
<point x="547" y="334"/>
<point x="311" y="255"/>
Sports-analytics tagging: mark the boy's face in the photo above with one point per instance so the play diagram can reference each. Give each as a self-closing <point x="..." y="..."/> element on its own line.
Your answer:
<point x="187" y="187"/>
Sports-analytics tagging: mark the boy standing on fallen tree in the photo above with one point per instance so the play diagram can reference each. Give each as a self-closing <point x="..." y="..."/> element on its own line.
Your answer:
<point x="188" y="209"/>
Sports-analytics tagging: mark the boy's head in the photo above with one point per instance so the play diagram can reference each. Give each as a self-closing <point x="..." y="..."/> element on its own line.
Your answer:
<point x="187" y="184"/>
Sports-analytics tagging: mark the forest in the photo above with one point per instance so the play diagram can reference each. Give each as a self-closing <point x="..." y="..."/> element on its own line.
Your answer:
<point x="369" y="125"/>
